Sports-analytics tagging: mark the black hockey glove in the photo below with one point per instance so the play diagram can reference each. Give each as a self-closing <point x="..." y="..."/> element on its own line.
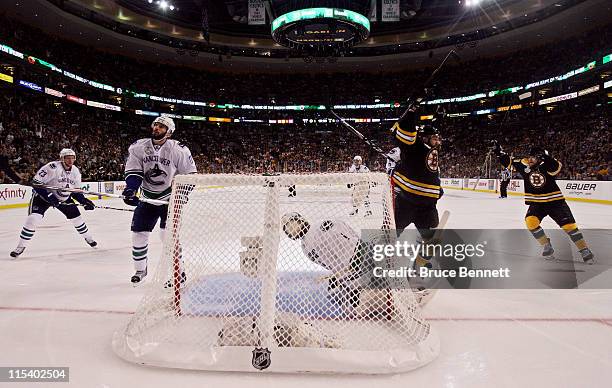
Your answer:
<point x="495" y="147"/>
<point x="545" y="155"/>
<point x="52" y="200"/>
<point x="88" y="204"/>
<point x="129" y="197"/>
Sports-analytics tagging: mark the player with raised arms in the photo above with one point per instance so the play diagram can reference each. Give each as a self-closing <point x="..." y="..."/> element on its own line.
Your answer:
<point x="545" y="198"/>
<point x="151" y="166"/>
<point x="61" y="173"/>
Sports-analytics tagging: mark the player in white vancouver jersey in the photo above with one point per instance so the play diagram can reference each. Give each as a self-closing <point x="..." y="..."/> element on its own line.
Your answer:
<point x="62" y="173"/>
<point x="361" y="190"/>
<point x="151" y="166"/>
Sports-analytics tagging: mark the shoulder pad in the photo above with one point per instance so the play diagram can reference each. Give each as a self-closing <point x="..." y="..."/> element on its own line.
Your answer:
<point x="52" y="165"/>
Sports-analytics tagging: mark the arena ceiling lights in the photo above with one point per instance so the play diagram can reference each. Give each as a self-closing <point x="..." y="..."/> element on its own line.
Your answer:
<point x="320" y="29"/>
<point x="472" y="3"/>
<point x="163" y="4"/>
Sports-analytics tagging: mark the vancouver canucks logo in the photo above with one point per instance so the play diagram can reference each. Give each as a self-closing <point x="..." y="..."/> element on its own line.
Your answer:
<point x="153" y="173"/>
<point x="537" y="179"/>
<point x="261" y="358"/>
<point x="432" y="160"/>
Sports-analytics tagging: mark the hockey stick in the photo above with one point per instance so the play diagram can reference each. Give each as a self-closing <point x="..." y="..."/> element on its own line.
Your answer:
<point x="101" y="207"/>
<point x="71" y="190"/>
<point x="414" y="100"/>
<point x="411" y="101"/>
<point x="360" y="135"/>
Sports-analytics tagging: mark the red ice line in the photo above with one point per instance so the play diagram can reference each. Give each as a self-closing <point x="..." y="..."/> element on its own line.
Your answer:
<point x="604" y="321"/>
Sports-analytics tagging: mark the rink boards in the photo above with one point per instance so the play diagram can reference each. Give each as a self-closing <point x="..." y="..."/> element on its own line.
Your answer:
<point x="12" y="196"/>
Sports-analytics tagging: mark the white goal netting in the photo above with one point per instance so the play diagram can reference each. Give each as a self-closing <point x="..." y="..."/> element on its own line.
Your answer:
<point x="275" y="273"/>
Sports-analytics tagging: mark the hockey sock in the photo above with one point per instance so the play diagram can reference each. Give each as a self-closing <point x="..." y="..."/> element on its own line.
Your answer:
<point x="533" y="224"/>
<point x="80" y="227"/>
<point x="140" y="245"/>
<point x="29" y="227"/>
<point x="575" y="235"/>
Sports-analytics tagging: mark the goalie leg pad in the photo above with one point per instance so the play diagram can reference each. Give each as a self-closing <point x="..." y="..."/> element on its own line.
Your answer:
<point x="239" y="331"/>
<point x="249" y="259"/>
<point x="292" y="331"/>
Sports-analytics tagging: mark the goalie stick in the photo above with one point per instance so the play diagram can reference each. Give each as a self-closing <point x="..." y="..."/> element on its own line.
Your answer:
<point x="99" y="194"/>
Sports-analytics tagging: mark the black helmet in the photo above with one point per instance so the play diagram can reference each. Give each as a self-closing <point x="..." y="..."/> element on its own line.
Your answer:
<point x="536" y="151"/>
<point x="429" y="130"/>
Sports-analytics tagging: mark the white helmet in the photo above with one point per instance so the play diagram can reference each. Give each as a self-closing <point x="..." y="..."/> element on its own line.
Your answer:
<point x="165" y="120"/>
<point x="357" y="158"/>
<point x="294" y="225"/>
<point x="67" y="152"/>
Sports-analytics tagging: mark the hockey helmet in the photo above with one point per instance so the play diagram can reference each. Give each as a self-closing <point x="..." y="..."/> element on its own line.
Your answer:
<point x="536" y="151"/>
<point x="429" y="130"/>
<point x="167" y="121"/>
<point x="66" y="152"/>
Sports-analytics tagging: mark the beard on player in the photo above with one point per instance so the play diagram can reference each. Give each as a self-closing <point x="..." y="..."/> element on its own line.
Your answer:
<point x="159" y="131"/>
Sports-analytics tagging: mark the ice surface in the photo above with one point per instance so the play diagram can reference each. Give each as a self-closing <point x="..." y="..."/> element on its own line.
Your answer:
<point x="61" y="301"/>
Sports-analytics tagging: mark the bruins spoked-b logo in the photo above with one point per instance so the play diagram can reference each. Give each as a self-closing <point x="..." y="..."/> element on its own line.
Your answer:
<point x="537" y="179"/>
<point x="433" y="160"/>
<point x="155" y="172"/>
<point x="261" y="358"/>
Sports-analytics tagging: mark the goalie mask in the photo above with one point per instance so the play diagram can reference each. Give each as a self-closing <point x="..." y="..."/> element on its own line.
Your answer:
<point x="294" y="225"/>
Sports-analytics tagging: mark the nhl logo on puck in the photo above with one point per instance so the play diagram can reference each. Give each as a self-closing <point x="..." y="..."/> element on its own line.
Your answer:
<point x="261" y="358"/>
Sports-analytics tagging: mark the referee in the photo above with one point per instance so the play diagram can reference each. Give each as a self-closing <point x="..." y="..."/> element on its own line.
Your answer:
<point x="504" y="176"/>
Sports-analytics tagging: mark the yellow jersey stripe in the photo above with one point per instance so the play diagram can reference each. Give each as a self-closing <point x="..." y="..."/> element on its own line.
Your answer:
<point x="408" y="189"/>
<point x="416" y="183"/>
<point x="398" y="137"/>
<point x="543" y="195"/>
<point x="405" y="132"/>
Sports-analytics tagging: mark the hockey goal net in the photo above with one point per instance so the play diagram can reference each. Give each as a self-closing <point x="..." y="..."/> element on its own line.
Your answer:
<point x="274" y="273"/>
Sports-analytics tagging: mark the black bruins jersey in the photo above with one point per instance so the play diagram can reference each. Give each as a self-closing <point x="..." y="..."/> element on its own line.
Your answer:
<point x="539" y="180"/>
<point x="418" y="174"/>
